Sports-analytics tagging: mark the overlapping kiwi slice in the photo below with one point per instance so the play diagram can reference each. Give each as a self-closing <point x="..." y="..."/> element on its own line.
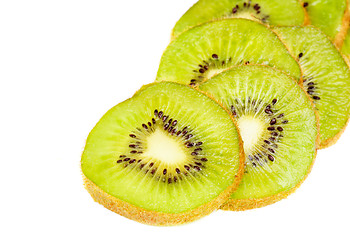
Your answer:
<point x="330" y="16"/>
<point x="278" y="125"/>
<point x="203" y="51"/>
<point x="272" y="12"/>
<point x="326" y="78"/>
<point x="168" y="155"/>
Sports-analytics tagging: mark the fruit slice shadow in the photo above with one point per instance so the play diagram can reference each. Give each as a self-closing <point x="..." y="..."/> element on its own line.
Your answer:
<point x="163" y="157"/>
<point x="278" y="126"/>
<point x="272" y="12"/>
<point x="203" y="51"/>
<point x="326" y="78"/>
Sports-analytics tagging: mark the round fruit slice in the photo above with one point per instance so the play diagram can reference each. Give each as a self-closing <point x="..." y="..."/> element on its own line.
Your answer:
<point x="330" y="16"/>
<point x="326" y="78"/>
<point x="278" y="126"/>
<point x="203" y="51"/>
<point x="167" y="156"/>
<point x="274" y="12"/>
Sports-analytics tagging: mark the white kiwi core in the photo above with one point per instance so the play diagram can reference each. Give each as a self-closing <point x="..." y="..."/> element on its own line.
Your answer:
<point x="164" y="148"/>
<point x="251" y="129"/>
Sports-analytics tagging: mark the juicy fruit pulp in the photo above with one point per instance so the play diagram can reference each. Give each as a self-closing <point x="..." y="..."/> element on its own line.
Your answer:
<point x="326" y="78"/>
<point x="327" y="15"/>
<point x="164" y="152"/>
<point x="274" y="12"/>
<point x="281" y="147"/>
<point x="203" y="51"/>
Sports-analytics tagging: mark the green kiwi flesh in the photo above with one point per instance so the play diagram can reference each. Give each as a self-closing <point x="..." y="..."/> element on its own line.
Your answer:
<point x="346" y="45"/>
<point x="164" y="151"/>
<point x="326" y="77"/>
<point x="278" y="126"/>
<point x="327" y="15"/>
<point x="273" y="12"/>
<point x="203" y="51"/>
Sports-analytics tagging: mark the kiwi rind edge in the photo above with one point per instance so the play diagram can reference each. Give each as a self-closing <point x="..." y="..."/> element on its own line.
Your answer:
<point x="150" y="217"/>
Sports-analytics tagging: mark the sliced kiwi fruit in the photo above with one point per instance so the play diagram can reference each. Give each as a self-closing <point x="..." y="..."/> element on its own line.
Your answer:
<point x="205" y="50"/>
<point x="273" y="12"/>
<point x="326" y="78"/>
<point x="278" y="125"/>
<point x="167" y="156"/>
<point x="330" y="16"/>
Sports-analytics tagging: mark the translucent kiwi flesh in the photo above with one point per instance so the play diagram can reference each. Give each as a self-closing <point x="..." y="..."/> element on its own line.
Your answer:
<point x="326" y="78"/>
<point x="330" y="16"/>
<point x="203" y="51"/>
<point x="272" y="12"/>
<point x="163" y="157"/>
<point x="278" y="126"/>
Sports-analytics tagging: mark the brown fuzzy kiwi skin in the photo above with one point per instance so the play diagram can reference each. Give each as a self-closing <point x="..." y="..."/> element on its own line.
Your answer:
<point x="154" y="218"/>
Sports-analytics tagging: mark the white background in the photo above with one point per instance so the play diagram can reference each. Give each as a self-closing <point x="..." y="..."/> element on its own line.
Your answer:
<point x="63" y="64"/>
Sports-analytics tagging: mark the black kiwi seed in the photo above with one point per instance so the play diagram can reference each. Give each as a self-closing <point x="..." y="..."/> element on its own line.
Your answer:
<point x="199" y="143"/>
<point x="285" y="121"/>
<point x="156" y="113"/>
<point x="119" y="161"/>
<point x="316" y="97"/>
<point x="144" y="126"/>
<point x="280" y="129"/>
<point x="132" y="135"/>
<point x="215" y="56"/>
<point x="177" y="171"/>
<point x="187" y="167"/>
<point x="275" y="134"/>
<point x="197" y="168"/>
<point x="300" y="55"/>
<point x="175" y="179"/>
<point x="274" y="101"/>
<point x="204" y="159"/>
<point x="306" y="4"/>
<point x="122" y="156"/>
<point x="271" y="128"/>
<point x="234" y="10"/>
<point x="164" y="171"/>
<point x="267" y="142"/>
<point x="160" y="114"/>
<point x="271" y="158"/>
<point x="174" y="123"/>
<point x="273" y="121"/>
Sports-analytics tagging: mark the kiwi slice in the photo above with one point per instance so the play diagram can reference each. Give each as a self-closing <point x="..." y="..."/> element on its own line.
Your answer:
<point x="274" y="12"/>
<point x="203" y="51"/>
<point x="278" y="126"/>
<point x="168" y="155"/>
<point x="326" y="78"/>
<point x="330" y="16"/>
